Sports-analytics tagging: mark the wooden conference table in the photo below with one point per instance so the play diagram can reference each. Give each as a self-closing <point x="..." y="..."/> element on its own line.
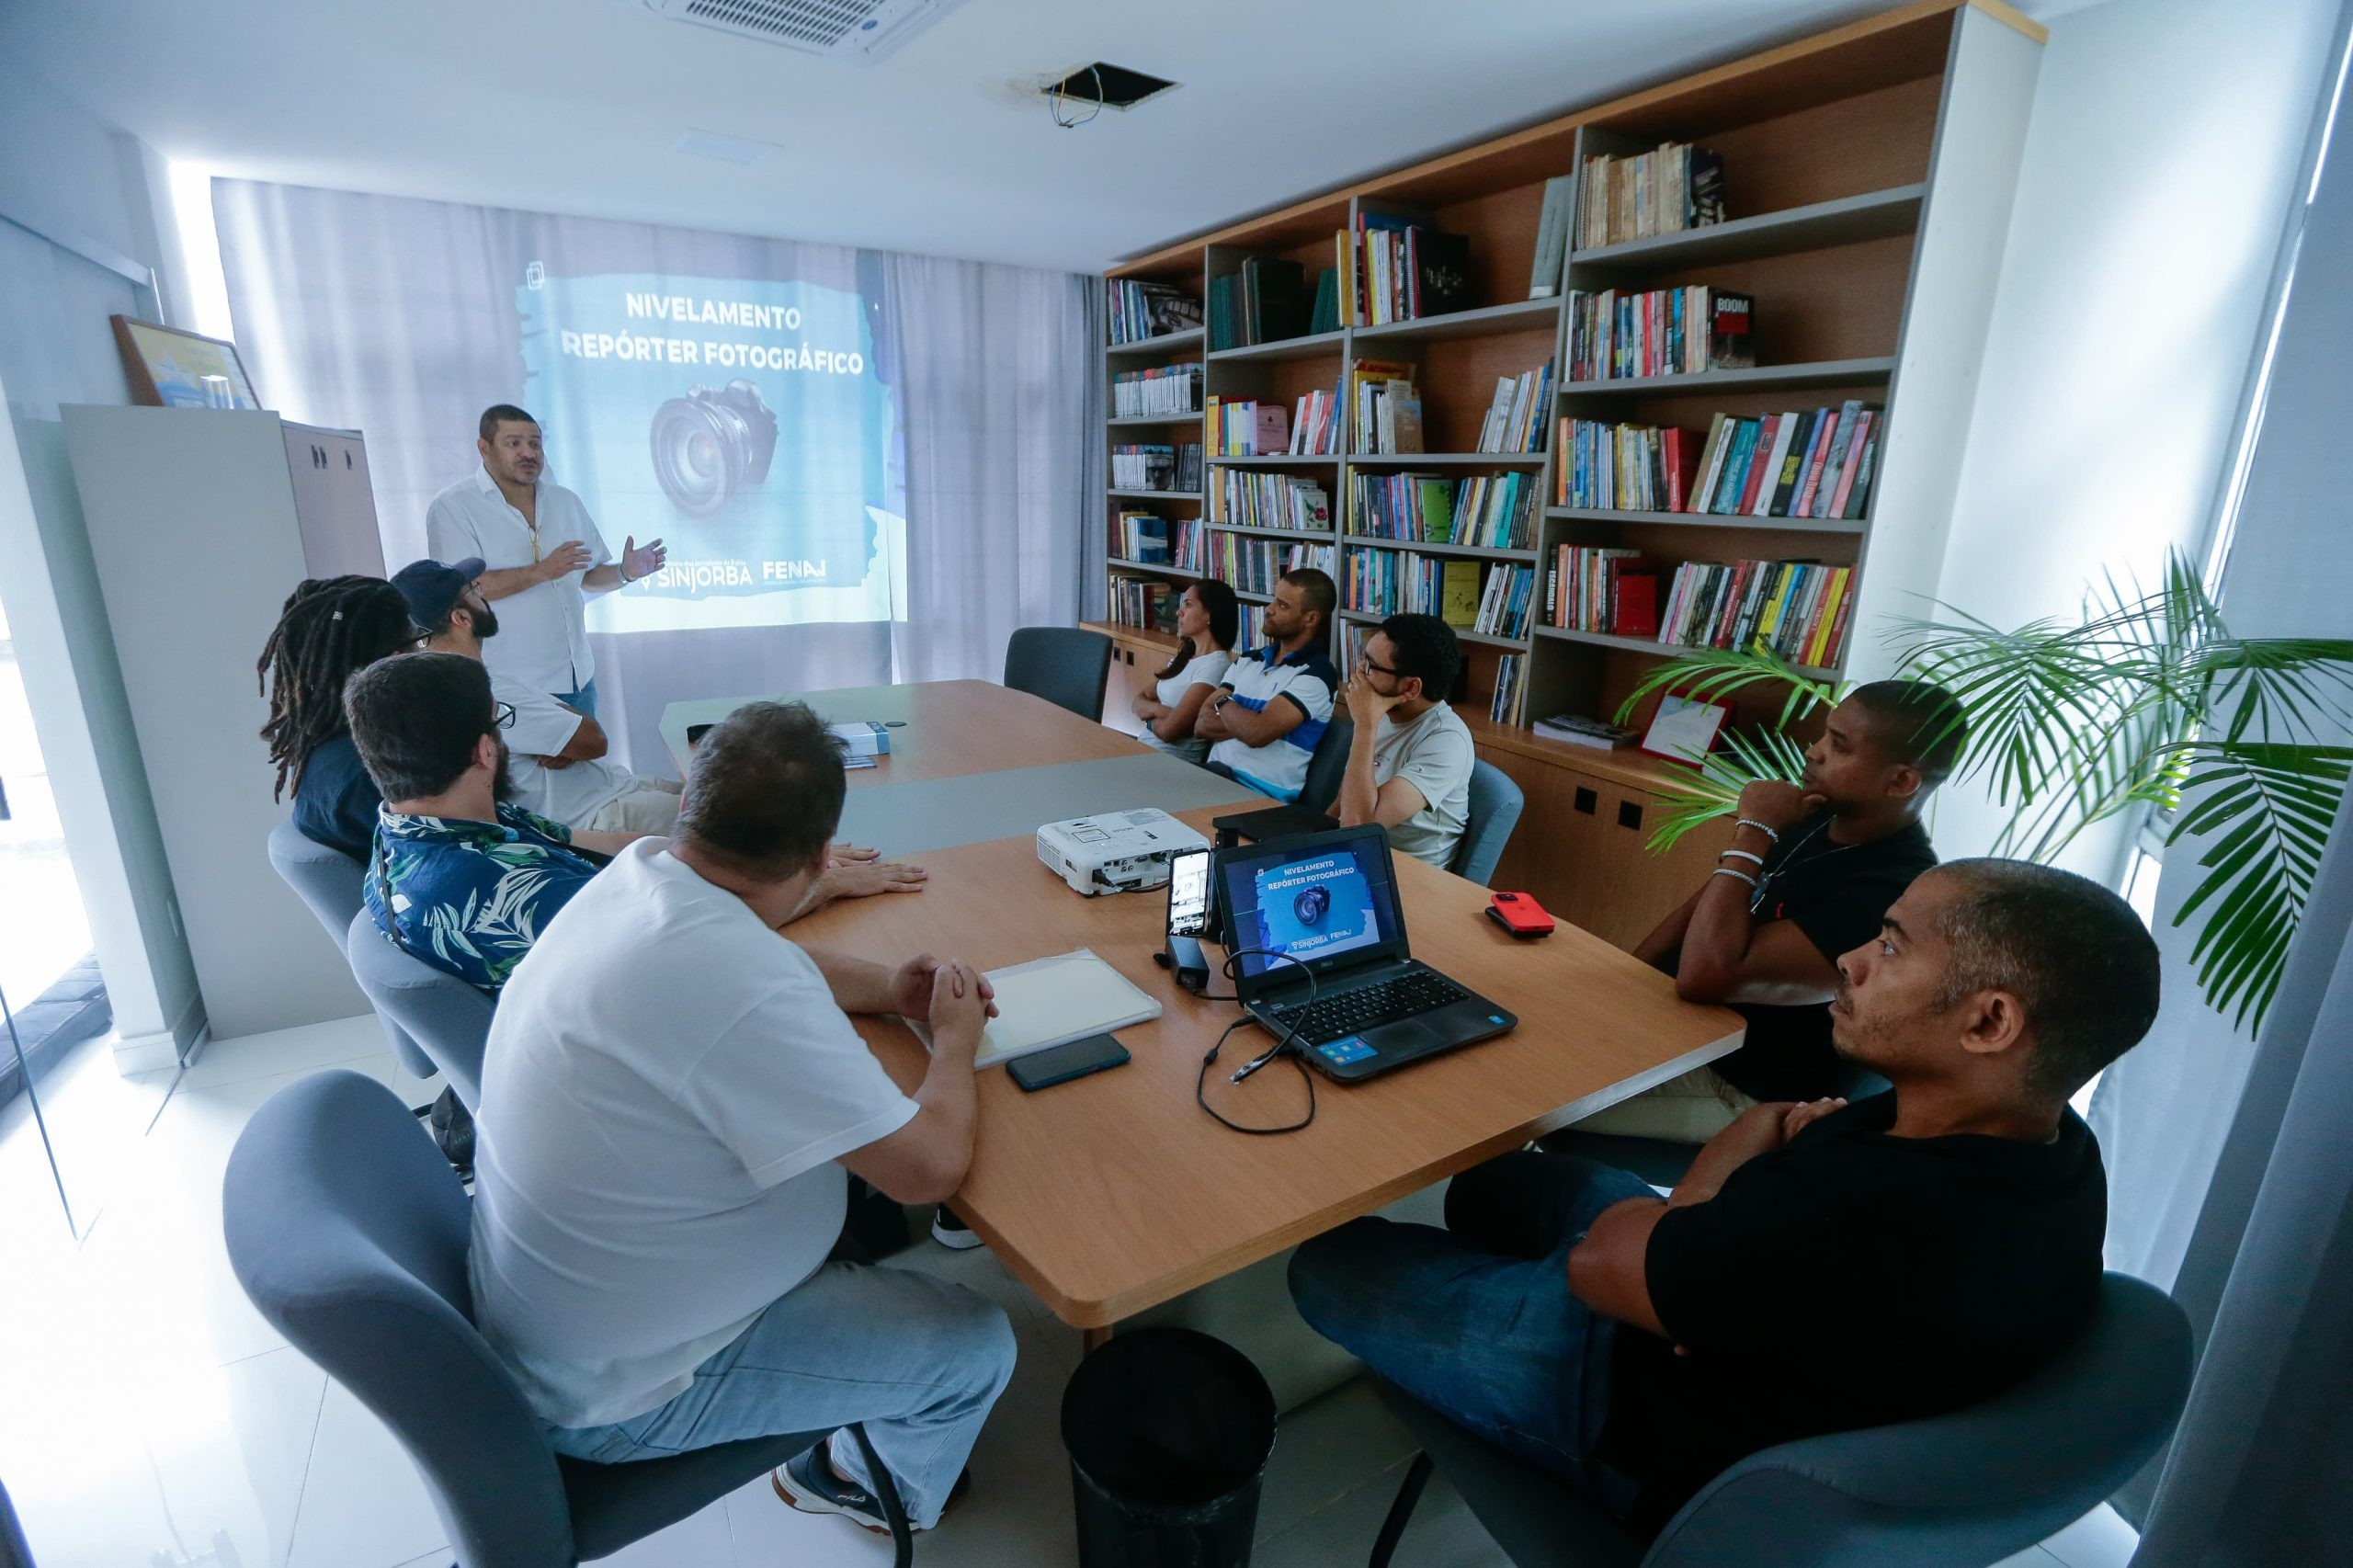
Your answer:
<point x="1114" y="1193"/>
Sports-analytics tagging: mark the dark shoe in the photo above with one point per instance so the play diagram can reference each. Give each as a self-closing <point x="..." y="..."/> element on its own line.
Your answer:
<point x="808" y="1485"/>
<point x="951" y="1232"/>
<point x="453" y="1131"/>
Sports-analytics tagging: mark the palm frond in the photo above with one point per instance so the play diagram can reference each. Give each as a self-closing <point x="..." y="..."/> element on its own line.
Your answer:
<point x="1719" y="674"/>
<point x="1712" y="789"/>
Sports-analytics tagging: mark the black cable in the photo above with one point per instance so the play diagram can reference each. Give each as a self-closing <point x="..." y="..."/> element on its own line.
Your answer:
<point x="1288" y="1046"/>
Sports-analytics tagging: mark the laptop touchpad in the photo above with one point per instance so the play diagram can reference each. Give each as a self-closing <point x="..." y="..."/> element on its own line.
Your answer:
<point x="1405" y="1038"/>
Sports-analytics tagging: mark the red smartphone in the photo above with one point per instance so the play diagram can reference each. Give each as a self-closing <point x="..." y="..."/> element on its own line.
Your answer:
<point x="1519" y="915"/>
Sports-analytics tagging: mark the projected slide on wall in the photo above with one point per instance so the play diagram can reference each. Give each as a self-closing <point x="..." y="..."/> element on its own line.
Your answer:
<point x="752" y="425"/>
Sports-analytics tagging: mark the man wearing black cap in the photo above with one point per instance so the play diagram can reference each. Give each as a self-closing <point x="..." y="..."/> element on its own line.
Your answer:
<point x="559" y="766"/>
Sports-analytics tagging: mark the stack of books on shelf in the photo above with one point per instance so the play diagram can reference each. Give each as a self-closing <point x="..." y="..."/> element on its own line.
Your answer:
<point x="1578" y="730"/>
<point x="1143" y="467"/>
<point x="1515" y="421"/>
<point x="1659" y="332"/>
<point x="1150" y="310"/>
<point x="1388" y="409"/>
<point x="1315" y="424"/>
<point x="1166" y="389"/>
<point x="1251" y="565"/>
<point x="1796" y="610"/>
<point x="1152" y="540"/>
<point x="1490" y="512"/>
<point x="1385" y="582"/>
<point x="1144" y="601"/>
<point x="1602" y="590"/>
<point x="1789" y="465"/>
<point x="1265" y="302"/>
<point x="1248" y="498"/>
<point x="1625" y="468"/>
<point x="1240" y="429"/>
<point x="1403" y="270"/>
<point x="1511" y="676"/>
<point x="1664" y="191"/>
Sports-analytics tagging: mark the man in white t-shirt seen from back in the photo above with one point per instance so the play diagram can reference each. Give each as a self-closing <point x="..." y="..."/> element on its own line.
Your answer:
<point x="558" y="764"/>
<point x="672" y="1101"/>
<point x="1411" y="756"/>
<point x="545" y="556"/>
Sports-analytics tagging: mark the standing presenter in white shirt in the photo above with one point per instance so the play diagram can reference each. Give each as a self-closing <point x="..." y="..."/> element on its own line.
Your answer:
<point x="544" y="557"/>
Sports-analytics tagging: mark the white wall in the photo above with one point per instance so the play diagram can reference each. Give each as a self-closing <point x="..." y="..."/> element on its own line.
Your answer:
<point x="67" y="173"/>
<point x="2165" y="139"/>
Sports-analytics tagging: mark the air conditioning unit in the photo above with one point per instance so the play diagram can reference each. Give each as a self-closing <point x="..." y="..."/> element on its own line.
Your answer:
<point x="857" y="32"/>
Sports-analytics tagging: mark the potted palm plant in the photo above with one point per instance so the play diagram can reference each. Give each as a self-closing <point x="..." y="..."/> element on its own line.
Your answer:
<point x="2147" y="704"/>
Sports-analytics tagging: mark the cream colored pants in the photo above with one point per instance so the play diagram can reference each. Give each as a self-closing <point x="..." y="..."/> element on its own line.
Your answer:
<point x="1691" y="1108"/>
<point x="649" y="805"/>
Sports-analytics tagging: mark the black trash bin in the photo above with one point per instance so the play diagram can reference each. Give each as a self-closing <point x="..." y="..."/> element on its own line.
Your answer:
<point x="1169" y="1433"/>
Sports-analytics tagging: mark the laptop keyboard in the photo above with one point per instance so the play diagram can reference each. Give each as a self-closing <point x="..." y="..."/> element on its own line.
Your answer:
<point x="1369" y="1006"/>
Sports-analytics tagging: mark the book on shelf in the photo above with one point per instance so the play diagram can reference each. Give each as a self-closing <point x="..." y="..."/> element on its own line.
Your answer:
<point x="1365" y="380"/>
<point x="1659" y="332"/>
<point x="1460" y="603"/>
<point x="1403" y="269"/>
<point x="1251" y="565"/>
<point x="1672" y="187"/>
<point x="1489" y="511"/>
<point x="1469" y="596"/>
<point x="1504" y="600"/>
<point x="1249" y="498"/>
<point x="1247" y="428"/>
<point x="1626" y="468"/>
<point x="1551" y="237"/>
<point x="1138" y="311"/>
<point x="1189" y="468"/>
<point x="1578" y="730"/>
<point x="1143" y="466"/>
<point x="1315" y="424"/>
<point x="1511" y="673"/>
<point x="1252" y="633"/>
<point x="1263" y="300"/>
<point x="1794" y="609"/>
<point x="1323" y="315"/>
<point x="1146" y="602"/>
<point x="1515" y="421"/>
<point x="1812" y="465"/>
<point x="1164" y="389"/>
<point x="1596" y="589"/>
<point x="1150" y="540"/>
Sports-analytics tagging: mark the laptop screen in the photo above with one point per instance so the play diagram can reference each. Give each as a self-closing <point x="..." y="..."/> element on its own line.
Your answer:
<point x="1327" y="901"/>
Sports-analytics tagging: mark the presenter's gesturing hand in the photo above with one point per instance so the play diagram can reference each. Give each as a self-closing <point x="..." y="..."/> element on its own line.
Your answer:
<point x="642" y="560"/>
<point x="565" y="560"/>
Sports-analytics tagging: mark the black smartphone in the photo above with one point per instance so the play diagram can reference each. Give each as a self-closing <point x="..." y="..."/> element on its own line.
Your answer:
<point x="1188" y="893"/>
<point x="1076" y="1059"/>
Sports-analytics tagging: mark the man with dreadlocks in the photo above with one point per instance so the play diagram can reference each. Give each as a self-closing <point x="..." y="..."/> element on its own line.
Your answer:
<point x="329" y="628"/>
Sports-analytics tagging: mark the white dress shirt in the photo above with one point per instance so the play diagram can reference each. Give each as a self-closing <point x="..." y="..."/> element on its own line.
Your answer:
<point x="542" y="638"/>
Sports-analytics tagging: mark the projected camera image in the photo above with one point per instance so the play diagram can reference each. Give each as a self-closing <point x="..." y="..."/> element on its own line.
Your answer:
<point x="711" y="444"/>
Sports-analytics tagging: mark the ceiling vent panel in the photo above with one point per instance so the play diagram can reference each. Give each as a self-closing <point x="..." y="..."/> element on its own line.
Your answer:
<point x="857" y="31"/>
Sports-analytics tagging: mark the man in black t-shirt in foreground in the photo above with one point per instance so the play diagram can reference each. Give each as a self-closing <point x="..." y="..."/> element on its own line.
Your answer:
<point x="1811" y="867"/>
<point x="1822" y="1266"/>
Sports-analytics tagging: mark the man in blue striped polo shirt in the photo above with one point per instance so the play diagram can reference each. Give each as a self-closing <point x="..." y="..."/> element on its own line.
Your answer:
<point x="1264" y="722"/>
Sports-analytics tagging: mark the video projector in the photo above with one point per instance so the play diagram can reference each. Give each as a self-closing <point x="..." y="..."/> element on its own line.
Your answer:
<point x="1117" y="852"/>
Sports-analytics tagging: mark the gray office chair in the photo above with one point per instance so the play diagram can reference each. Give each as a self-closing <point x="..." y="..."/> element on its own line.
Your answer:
<point x="1496" y="805"/>
<point x="349" y="1234"/>
<point x="1957" y="1491"/>
<point x="1065" y="665"/>
<point x="1328" y="763"/>
<point x="327" y="881"/>
<point x="448" y="1017"/>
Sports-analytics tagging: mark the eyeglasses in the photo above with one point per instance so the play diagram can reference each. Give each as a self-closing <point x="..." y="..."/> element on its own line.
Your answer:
<point x="503" y="716"/>
<point x="1363" y="663"/>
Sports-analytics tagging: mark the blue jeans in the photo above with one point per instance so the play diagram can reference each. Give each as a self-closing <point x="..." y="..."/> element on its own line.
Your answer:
<point x="1476" y="1320"/>
<point x="918" y="1360"/>
<point x="584" y="699"/>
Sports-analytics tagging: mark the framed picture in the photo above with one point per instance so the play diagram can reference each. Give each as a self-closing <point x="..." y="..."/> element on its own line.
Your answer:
<point x="171" y="368"/>
<point x="1684" y="731"/>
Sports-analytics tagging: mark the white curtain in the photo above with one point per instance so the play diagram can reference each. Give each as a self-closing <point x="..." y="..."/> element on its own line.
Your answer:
<point x="400" y="319"/>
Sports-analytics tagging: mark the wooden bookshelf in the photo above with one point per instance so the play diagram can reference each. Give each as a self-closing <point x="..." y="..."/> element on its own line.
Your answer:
<point x="1837" y="150"/>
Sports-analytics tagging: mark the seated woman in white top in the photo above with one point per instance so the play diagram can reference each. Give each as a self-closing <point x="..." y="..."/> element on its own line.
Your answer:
<point x="1208" y="618"/>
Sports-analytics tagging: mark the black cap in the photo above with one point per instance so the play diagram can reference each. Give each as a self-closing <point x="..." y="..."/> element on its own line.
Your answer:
<point x="431" y="588"/>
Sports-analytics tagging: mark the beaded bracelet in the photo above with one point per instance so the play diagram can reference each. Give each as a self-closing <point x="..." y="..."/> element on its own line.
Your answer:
<point x="1728" y="871"/>
<point x="1751" y="821"/>
<point x="1757" y="861"/>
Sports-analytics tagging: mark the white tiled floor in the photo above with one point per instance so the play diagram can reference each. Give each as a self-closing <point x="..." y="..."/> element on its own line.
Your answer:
<point x="150" y="1419"/>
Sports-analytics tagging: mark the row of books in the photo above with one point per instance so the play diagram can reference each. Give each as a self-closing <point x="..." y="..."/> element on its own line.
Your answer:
<point x="1149" y="310"/>
<point x="1155" y="466"/>
<point x="1602" y="590"/>
<point x="1315" y="424"/>
<point x="1402" y="270"/>
<point x="1150" y="540"/>
<point x="1264" y="300"/>
<point x="1248" y="498"/>
<point x="1385" y="582"/>
<point x="1143" y="601"/>
<point x="1630" y="467"/>
<point x="1511" y="685"/>
<point x="1388" y="409"/>
<point x="1164" y="389"/>
<point x="1246" y="427"/>
<point x="1252" y="632"/>
<point x="1816" y="464"/>
<point x="1670" y="188"/>
<point x="1515" y="421"/>
<point x="1793" y="608"/>
<point x="1251" y="565"/>
<point x="1493" y="511"/>
<point x="1659" y="332"/>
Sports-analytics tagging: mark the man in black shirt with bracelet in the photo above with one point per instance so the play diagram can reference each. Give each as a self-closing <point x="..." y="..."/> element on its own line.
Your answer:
<point x="1811" y="869"/>
<point x="1822" y="1266"/>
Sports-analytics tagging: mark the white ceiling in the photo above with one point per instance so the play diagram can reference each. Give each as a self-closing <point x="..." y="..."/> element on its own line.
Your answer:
<point x="578" y="106"/>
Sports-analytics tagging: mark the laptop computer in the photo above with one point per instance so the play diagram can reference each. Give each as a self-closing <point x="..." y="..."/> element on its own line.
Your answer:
<point x="1326" y="904"/>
